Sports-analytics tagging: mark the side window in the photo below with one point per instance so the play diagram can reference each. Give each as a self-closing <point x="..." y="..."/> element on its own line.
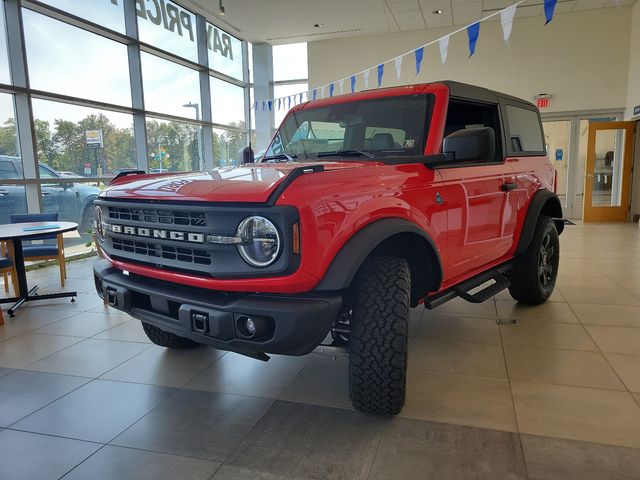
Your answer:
<point x="525" y="133"/>
<point x="46" y="173"/>
<point x="8" y="170"/>
<point x="467" y="115"/>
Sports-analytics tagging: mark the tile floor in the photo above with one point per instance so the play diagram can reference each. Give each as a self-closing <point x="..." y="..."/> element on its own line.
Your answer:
<point x="555" y="396"/>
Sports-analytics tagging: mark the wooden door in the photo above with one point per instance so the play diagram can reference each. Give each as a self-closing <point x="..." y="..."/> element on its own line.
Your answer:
<point x="607" y="183"/>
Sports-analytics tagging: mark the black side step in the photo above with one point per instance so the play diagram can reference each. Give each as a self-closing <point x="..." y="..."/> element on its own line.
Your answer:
<point x="462" y="290"/>
<point x="501" y="282"/>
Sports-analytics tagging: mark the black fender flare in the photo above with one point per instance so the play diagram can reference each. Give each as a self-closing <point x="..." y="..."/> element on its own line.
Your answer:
<point x="543" y="201"/>
<point x="350" y="258"/>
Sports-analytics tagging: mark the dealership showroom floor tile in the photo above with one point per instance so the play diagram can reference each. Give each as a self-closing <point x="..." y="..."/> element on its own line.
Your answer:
<point x="555" y="395"/>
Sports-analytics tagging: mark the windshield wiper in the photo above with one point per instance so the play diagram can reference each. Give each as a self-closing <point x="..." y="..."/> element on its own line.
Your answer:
<point x="346" y="153"/>
<point x="281" y="156"/>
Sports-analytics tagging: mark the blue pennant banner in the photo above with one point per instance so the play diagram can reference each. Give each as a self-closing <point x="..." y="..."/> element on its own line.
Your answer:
<point x="419" y="55"/>
<point x="549" y="7"/>
<point x="353" y="83"/>
<point x="473" y="31"/>
<point x="270" y="103"/>
<point x="300" y="96"/>
<point x="263" y="105"/>
<point x="331" y="89"/>
<point x="380" y="73"/>
<point x="315" y="93"/>
<point x="255" y="105"/>
<point x="279" y="103"/>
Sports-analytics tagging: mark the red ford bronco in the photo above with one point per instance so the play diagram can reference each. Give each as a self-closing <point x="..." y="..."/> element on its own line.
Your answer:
<point x="363" y="206"/>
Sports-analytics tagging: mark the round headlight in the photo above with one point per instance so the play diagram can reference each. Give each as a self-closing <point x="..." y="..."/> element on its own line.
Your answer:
<point x="261" y="241"/>
<point x="99" y="223"/>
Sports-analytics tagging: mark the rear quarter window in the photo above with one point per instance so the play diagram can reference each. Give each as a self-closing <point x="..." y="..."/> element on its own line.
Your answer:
<point x="8" y="170"/>
<point x="525" y="131"/>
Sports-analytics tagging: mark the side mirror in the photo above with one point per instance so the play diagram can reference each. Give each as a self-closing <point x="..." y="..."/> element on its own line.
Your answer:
<point x="471" y="144"/>
<point x="245" y="155"/>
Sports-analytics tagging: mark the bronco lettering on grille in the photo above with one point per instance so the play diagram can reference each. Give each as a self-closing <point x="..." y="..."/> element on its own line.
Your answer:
<point x="162" y="234"/>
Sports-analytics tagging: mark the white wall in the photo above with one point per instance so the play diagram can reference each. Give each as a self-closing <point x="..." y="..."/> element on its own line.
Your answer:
<point x="581" y="58"/>
<point x="633" y="93"/>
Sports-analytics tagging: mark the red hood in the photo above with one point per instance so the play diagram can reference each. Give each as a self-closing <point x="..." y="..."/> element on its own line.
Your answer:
<point x="249" y="183"/>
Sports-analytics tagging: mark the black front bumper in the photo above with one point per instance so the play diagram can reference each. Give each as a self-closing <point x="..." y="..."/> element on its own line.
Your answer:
<point x="292" y="324"/>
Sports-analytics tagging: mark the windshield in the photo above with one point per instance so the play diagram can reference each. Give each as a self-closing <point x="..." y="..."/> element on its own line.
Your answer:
<point x="370" y="128"/>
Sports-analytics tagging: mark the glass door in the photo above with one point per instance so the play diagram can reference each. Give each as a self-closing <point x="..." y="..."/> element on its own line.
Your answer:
<point x="607" y="183"/>
<point x="557" y="136"/>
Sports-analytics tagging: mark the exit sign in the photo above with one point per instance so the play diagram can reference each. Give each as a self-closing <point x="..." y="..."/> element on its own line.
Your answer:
<point x="542" y="102"/>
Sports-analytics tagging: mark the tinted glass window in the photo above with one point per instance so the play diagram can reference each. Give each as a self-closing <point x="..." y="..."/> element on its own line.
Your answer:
<point x="174" y="146"/>
<point x="108" y="13"/>
<point x="169" y="87"/>
<point x="225" y="52"/>
<point x="62" y="142"/>
<point x="46" y="173"/>
<point x="465" y="115"/>
<point x="366" y="125"/>
<point x="524" y="130"/>
<point x="4" y="59"/>
<point x="8" y="169"/>
<point x="227" y="103"/>
<point x="71" y="61"/>
<point x="168" y="26"/>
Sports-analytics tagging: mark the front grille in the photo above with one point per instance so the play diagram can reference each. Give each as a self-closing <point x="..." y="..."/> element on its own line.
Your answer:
<point x="153" y="250"/>
<point x="159" y="216"/>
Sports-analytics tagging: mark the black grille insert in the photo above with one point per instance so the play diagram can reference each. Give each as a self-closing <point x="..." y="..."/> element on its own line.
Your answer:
<point x="181" y="254"/>
<point x="162" y="216"/>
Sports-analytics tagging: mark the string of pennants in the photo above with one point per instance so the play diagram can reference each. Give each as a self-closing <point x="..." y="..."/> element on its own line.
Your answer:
<point x="473" y="32"/>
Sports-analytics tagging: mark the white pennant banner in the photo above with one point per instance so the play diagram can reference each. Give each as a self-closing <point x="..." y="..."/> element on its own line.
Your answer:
<point x="322" y="91"/>
<point x="506" y="18"/>
<point x="365" y="74"/>
<point x="398" y="62"/>
<point x="444" y="47"/>
<point x="341" y="87"/>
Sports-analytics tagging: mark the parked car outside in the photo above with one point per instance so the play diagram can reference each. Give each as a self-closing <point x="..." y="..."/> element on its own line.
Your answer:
<point x="72" y="201"/>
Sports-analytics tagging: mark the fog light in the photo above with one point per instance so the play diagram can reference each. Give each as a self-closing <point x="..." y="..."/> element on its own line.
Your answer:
<point x="253" y="327"/>
<point x="249" y="327"/>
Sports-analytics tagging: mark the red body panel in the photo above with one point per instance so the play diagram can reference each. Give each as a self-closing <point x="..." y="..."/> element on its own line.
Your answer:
<point x="477" y="226"/>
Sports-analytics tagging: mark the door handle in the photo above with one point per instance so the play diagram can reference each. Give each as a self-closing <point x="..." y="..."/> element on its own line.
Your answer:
<point x="507" y="187"/>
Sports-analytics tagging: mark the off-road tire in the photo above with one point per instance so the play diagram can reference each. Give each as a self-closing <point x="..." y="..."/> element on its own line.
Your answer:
<point x="378" y="340"/>
<point x="167" y="339"/>
<point x="525" y="276"/>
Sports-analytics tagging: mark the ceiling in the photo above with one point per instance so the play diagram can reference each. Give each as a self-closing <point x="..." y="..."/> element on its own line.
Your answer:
<point x="290" y="21"/>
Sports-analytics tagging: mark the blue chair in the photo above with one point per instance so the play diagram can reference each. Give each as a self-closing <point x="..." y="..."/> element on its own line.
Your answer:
<point x="45" y="251"/>
<point x="7" y="268"/>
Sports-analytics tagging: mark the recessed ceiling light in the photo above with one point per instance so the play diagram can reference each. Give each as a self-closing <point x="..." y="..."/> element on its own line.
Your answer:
<point x="318" y="25"/>
<point x="438" y="12"/>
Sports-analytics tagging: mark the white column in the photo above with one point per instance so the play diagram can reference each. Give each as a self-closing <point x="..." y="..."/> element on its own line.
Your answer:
<point x="263" y="90"/>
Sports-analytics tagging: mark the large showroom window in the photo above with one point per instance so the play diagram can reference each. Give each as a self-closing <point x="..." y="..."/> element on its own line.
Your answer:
<point x="173" y="146"/>
<point x="101" y="95"/>
<point x="290" y="77"/>
<point x="97" y="70"/>
<point x="168" y="86"/>
<point x="5" y="76"/>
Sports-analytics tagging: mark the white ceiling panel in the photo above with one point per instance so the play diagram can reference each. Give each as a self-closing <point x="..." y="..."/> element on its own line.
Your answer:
<point x="290" y="21"/>
<point x="404" y="6"/>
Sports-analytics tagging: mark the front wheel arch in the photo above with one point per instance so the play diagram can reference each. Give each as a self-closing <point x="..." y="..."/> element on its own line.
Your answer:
<point x="387" y="237"/>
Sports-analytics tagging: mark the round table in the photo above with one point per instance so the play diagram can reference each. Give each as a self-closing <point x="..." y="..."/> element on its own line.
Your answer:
<point x="15" y="233"/>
